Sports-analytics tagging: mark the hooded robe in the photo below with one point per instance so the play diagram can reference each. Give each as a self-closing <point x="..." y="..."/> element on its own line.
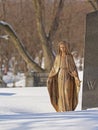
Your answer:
<point x="62" y="86"/>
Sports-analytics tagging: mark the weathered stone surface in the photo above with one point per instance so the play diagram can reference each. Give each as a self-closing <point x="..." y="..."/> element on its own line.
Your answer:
<point x="90" y="78"/>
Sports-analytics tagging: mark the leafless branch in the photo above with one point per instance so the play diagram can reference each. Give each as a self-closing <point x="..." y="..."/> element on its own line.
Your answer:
<point x="92" y="4"/>
<point x="55" y="22"/>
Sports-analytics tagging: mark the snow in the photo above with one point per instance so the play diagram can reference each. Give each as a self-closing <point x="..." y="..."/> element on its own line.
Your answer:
<point x="29" y="108"/>
<point x="18" y="79"/>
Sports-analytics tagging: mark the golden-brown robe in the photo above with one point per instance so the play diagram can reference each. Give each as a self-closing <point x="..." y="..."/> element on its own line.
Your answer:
<point x="61" y="84"/>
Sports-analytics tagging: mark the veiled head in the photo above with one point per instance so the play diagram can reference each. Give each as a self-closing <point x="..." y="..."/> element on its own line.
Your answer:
<point x="63" y="46"/>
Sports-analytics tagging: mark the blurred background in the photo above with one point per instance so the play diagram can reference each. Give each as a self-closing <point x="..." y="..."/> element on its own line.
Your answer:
<point x="59" y="20"/>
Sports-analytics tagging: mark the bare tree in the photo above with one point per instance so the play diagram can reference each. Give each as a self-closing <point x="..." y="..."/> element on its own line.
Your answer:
<point x="40" y="28"/>
<point x="45" y="40"/>
<point x="94" y="4"/>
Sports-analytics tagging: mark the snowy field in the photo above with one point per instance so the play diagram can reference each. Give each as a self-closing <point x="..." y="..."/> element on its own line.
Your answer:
<point x="30" y="109"/>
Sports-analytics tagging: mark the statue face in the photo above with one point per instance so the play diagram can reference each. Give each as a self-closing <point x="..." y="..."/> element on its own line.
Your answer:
<point x="62" y="48"/>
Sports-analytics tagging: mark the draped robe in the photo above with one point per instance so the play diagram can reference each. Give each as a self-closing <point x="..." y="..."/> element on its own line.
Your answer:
<point x="62" y="86"/>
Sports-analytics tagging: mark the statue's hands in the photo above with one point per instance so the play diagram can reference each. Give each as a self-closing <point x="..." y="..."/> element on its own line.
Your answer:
<point x="74" y="74"/>
<point x="77" y="82"/>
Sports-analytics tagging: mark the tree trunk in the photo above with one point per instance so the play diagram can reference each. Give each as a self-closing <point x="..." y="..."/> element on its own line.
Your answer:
<point x="46" y="41"/>
<point x="47" y="52"/>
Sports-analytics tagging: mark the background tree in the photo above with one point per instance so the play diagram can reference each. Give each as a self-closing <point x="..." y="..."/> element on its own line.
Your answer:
<point x="40" y="25"/>
<point x="94" y="4"/>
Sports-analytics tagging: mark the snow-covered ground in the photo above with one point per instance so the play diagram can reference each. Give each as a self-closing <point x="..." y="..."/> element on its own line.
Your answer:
<point x="29" y="108"/>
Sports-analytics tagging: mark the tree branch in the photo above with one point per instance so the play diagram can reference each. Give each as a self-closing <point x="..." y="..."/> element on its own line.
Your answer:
<point x="55" y="22"/>
<point x="19" y="46"/>
<point x="93" y="5"/>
